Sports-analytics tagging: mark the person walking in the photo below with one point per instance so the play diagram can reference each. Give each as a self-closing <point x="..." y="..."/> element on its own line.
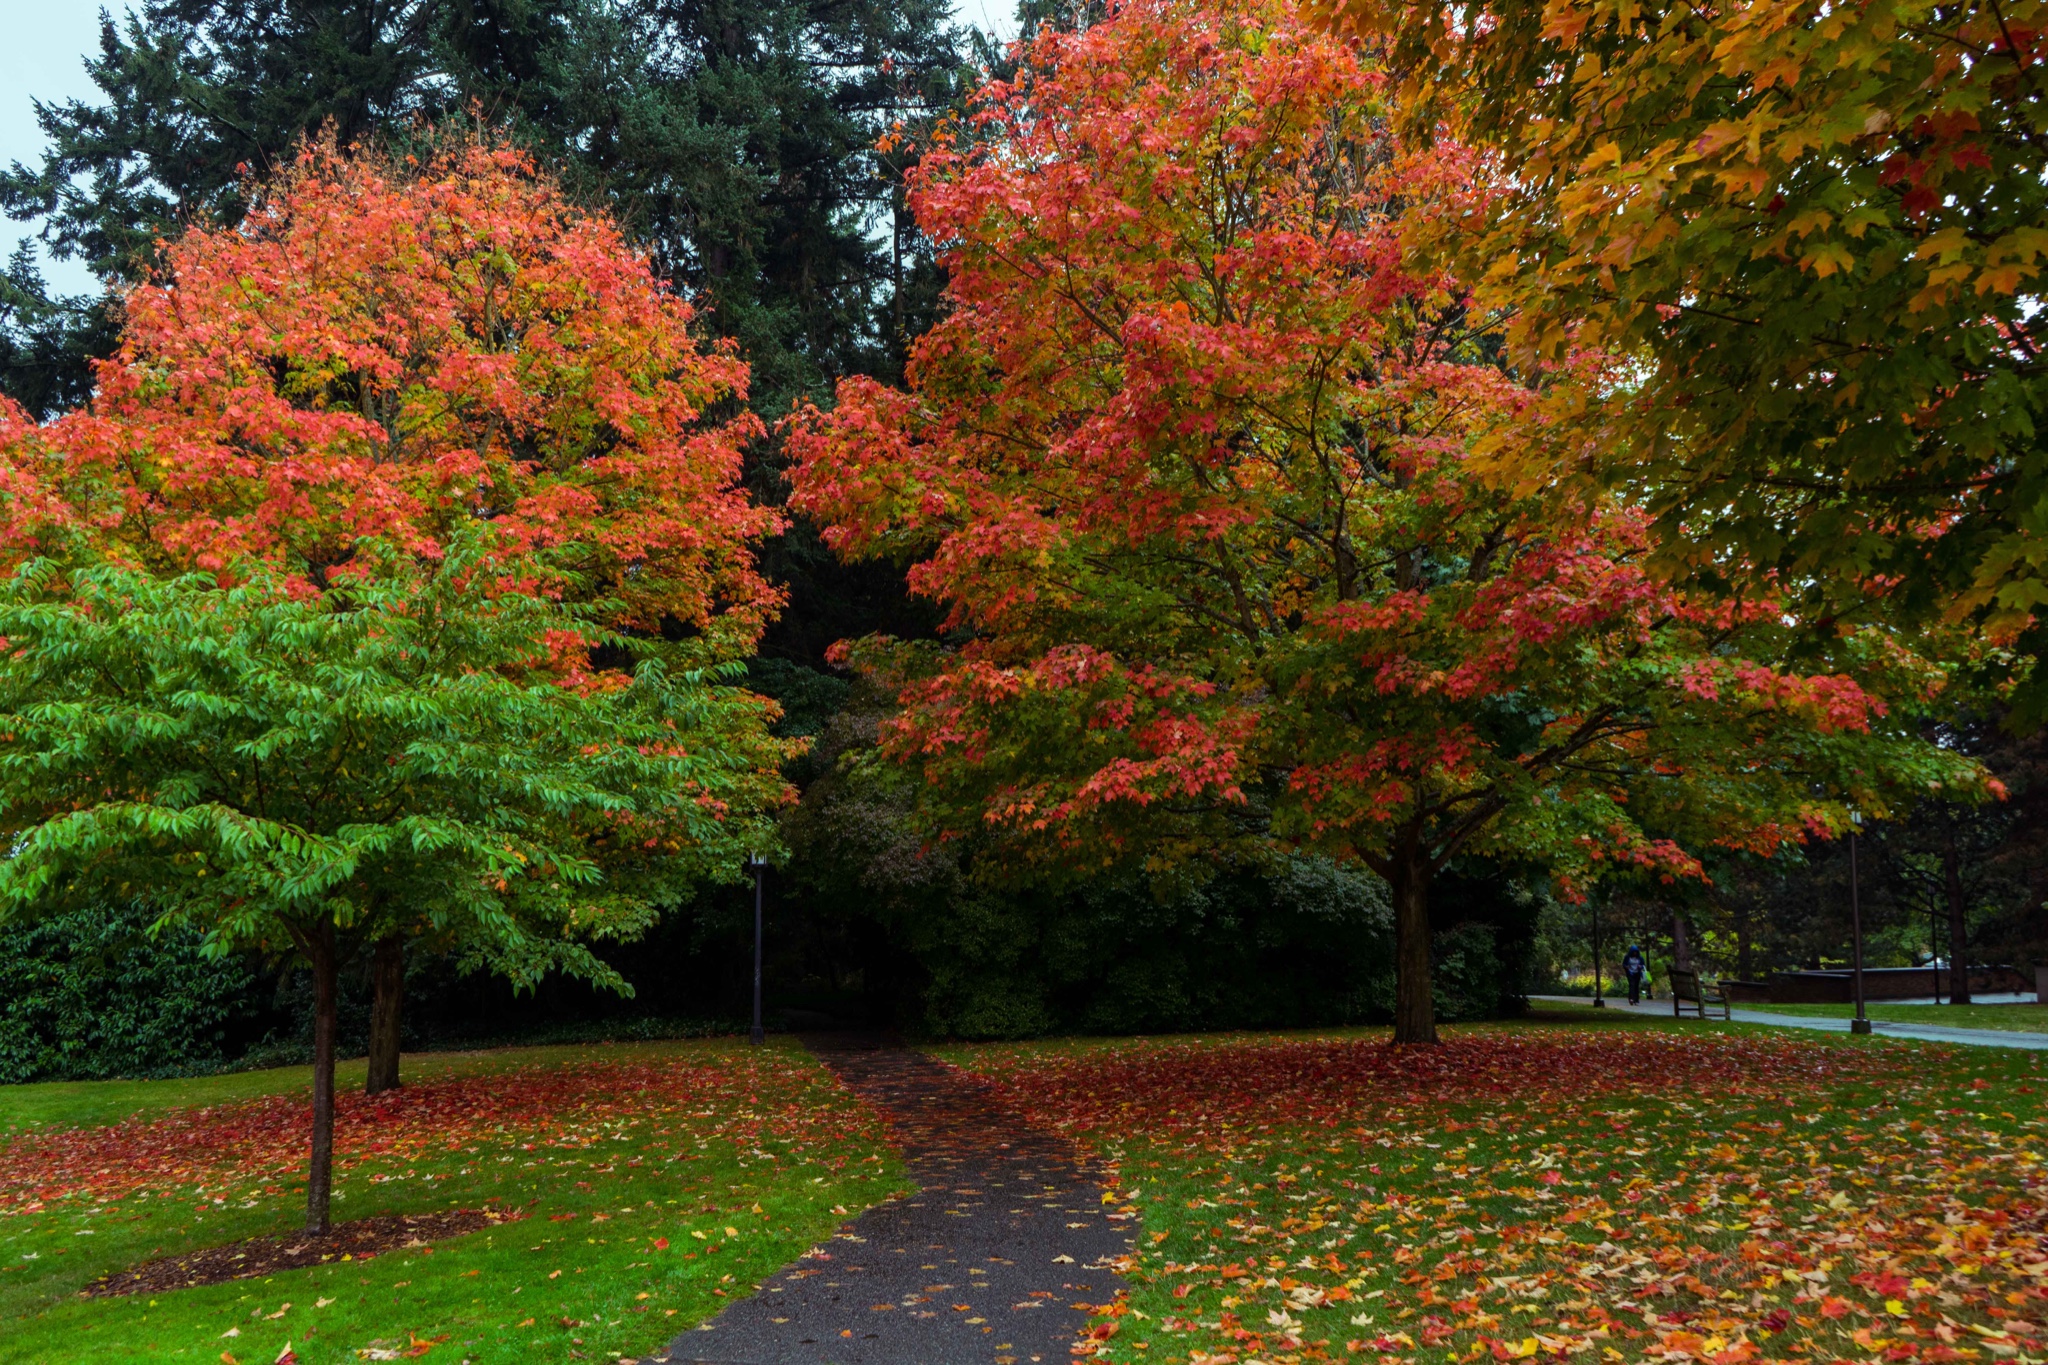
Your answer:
<point x="1635" y="965"/>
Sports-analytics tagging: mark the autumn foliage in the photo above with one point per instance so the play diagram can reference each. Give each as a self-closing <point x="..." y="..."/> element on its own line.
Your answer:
<point x="396" y="350"/>
<point x="1190" y="461"/>
<point x="1817" y="228"/>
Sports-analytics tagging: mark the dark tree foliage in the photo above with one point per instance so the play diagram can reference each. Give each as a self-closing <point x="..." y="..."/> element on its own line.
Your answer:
<point x="91" y="994"/>
<point x="876" y="920"/>
<point x="47" y="344"/>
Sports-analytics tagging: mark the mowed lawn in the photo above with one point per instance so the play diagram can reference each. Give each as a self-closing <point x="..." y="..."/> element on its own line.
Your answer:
<point x="1615" y="1191"/>
<point x="2008" y="1018"/>
<point x="656" y="1181"/>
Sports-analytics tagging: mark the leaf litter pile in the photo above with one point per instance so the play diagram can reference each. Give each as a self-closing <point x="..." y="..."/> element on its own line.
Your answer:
<point x="1548" y="1195"/>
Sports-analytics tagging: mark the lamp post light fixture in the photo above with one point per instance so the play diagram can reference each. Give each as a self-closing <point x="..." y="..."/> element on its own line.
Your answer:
<point x="758" y="865"/>
<point x="1860" y="1024"/>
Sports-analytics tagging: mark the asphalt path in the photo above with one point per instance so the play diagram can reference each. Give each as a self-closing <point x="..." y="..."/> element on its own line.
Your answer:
<point x="987" y="1262"/>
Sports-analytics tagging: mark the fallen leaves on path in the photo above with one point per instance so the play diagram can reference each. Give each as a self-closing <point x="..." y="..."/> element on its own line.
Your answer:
<point x="1551" y="1194"/>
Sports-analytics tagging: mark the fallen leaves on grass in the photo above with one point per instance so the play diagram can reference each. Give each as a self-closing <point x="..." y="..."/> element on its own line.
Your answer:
<point x="1537" y="1195"/>
<point x="545" y="1113"/>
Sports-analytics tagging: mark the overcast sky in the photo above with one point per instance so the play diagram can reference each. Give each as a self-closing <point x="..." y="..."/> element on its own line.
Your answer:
<point x="42" y="59"/>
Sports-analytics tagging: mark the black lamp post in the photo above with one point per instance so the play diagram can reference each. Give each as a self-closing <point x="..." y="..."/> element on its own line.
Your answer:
<point x="1598" y="1003"/>
<point x="1934" y="949"/>
<point x="758" y="865"/>
<point x="1859" y="1024"/>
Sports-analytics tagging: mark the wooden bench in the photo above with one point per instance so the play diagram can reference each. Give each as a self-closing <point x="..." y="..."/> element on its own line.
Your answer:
<point x="1688" y="986"/>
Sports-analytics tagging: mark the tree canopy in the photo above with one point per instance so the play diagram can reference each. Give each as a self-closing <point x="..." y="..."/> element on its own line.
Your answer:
<point x="736" y="140"/>
<point x="421" y="355"/>
<point x="1819" y="230"/>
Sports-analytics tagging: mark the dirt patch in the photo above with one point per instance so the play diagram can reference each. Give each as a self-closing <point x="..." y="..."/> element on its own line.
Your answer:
<point x="362" y="1239"/>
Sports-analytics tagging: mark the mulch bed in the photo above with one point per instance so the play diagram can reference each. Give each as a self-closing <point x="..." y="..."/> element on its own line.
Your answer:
<point x="361" y="1239"/>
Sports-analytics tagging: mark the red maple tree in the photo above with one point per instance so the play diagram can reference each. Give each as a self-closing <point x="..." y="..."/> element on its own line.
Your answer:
<point x="1190" y="459"/>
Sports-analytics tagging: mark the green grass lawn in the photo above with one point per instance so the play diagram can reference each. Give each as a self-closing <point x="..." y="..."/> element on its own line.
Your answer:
<point x="1574" y="1188"/>
<point x="2015" y="1018"/>
<point x="658" y="1181"/>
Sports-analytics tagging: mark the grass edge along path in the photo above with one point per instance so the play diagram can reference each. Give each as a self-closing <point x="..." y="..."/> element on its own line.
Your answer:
<point x="658" y="1182"/>
<point x="1998" y="1018"/>
<point x="1655" y="1193"/>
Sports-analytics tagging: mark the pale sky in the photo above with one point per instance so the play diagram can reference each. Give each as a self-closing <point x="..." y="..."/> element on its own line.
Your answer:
<point x="42" y="58"/>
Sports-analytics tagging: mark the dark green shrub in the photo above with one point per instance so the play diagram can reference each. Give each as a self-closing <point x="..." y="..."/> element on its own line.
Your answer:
<point x="88" y="995"/>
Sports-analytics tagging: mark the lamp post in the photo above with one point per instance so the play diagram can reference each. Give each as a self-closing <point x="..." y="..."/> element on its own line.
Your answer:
<point x="1598" y="1003"/>
<point x="1860" y="1024"/>
<point x="1934" y="950"/>
<point x="758" y="865"/>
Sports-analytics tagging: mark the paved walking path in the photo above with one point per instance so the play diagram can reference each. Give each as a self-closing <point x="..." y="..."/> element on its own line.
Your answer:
<point x="984" y="1264"/>
<point x="1931" y="1033"/>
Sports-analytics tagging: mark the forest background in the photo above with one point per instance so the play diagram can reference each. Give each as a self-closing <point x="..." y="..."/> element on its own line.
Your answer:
<point x="758" y="151"/>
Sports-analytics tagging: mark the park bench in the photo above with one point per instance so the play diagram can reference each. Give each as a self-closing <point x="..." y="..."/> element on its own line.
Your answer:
<point x="1689" y="986"/>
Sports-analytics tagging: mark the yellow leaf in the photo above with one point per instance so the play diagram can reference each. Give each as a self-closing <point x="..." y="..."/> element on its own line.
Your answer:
<point x="2003" y="279"/>
<point x="1948" y="242"/>
<point x="1828" y="257"/>
<point x="1809" y="221"/>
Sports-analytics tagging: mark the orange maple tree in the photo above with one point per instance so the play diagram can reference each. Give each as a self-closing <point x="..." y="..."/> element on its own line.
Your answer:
<point x="412" y="352"/>
<point x="395" y="349"/>
<point x="1189" y="459"/>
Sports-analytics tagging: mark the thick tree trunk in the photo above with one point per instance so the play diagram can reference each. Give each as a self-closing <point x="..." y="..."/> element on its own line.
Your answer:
<point x="1681" y="950"/>
<point x="320" y="1177"/>
<point x="1958" y="926"/>
<point x="1414" y="1003"/>
<point x="387" y="979"/>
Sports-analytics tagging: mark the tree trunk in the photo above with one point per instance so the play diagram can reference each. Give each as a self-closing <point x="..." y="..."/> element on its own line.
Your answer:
<point x="1958" y="927"/>
<point x="1414" y="1005"/>
<point x="320" y="1178"/>
<point x="387" y="977"/>
<point x="1681" y="951"/>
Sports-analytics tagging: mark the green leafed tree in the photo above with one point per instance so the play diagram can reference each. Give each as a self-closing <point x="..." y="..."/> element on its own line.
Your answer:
<point x="397" y="756"/>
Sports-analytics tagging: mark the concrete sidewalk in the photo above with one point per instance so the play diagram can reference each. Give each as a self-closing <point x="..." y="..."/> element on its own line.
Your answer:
<point x="1931" y="1033"/>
